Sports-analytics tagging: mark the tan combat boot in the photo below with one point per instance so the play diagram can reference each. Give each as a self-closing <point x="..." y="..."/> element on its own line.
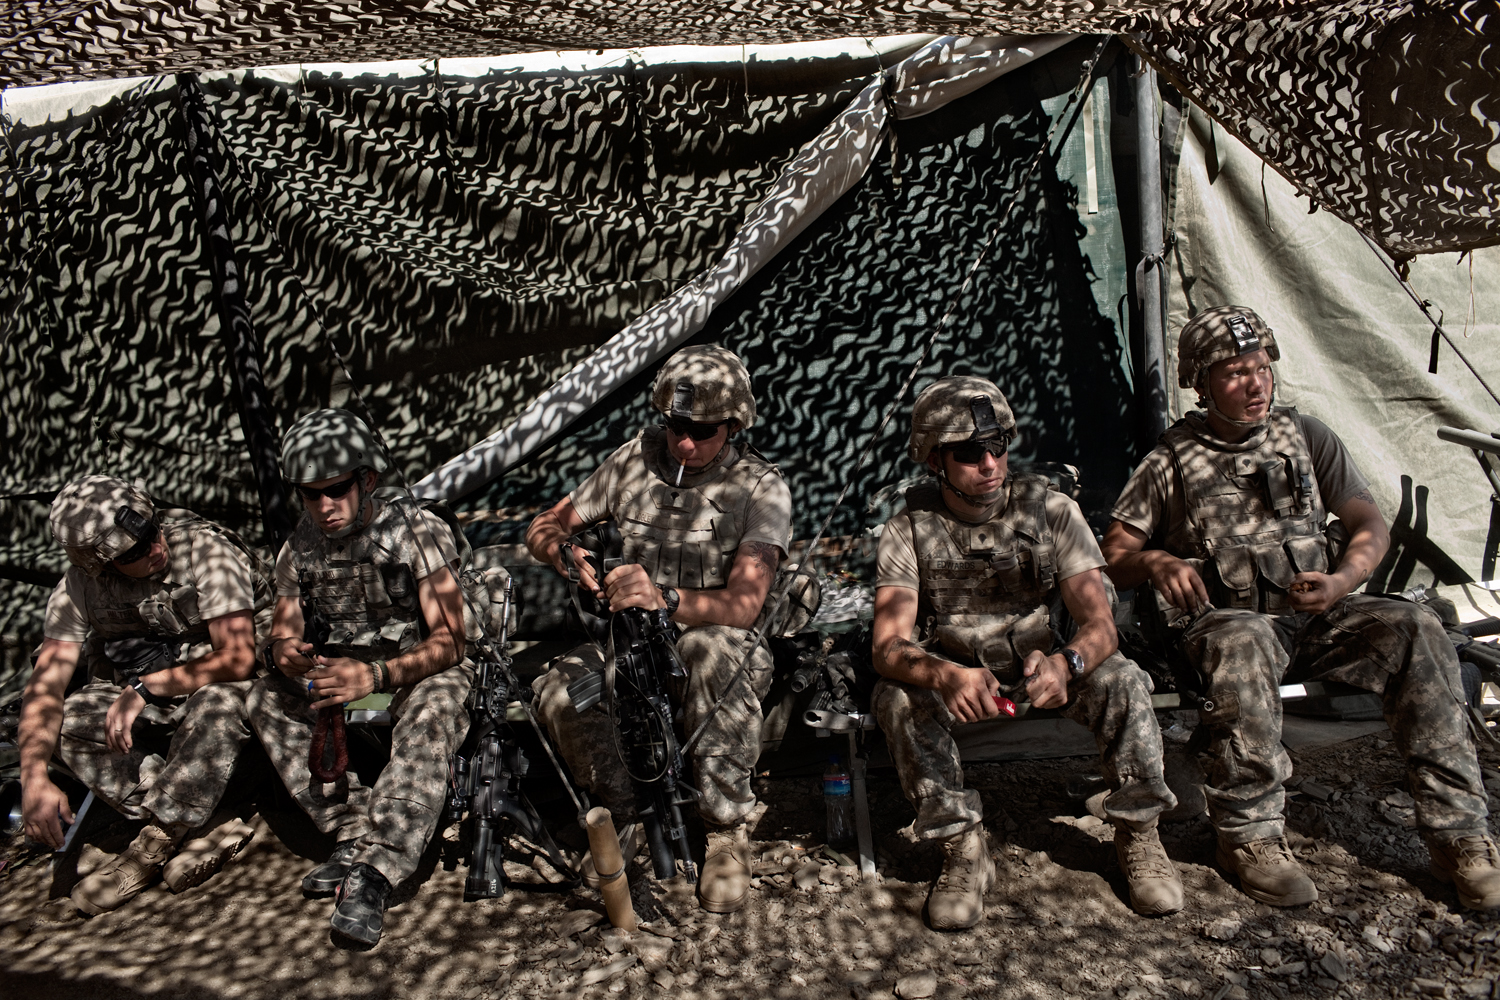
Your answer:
<point x="957" y="897"/>
<point x="138" y="866"/>
<point x="724" y="883"/>
<point x="1268" y="872"/>
<point x="202" y="857"/>
<point x="1472" y="863"/>
<point x="1155" y="889"/>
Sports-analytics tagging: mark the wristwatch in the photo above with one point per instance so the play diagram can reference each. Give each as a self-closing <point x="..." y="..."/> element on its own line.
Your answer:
<point x="1076" y="667"/>
<point x="138" y="685"/>
<point x="672" y="598"/>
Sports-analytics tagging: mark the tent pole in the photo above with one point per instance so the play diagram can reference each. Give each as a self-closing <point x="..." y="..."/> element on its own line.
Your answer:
<point x="1151" y="270"/>
<point x="240" y="339"/>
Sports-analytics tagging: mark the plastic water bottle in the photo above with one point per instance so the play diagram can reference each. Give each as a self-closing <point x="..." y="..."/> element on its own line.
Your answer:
<point x="838" y="801"/>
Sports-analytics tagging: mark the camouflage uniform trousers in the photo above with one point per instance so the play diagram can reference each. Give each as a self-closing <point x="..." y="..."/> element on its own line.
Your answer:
<point x="1113" y="701"/>
<point x="181" y="755"/>
<point x="1396" y="649"/>
<point x="723" y="760"/>
<point x="393" y="821"/>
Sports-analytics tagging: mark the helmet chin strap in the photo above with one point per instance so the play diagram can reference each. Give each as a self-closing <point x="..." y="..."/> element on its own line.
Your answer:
<point x="1207" y="401"/>
<point x="972" y="499"/>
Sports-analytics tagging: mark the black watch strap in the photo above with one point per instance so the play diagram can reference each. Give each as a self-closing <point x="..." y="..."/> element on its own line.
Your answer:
<point x="672" y="599"/>
<point x="1076" y="667"/>
<point x="138" y="685"/>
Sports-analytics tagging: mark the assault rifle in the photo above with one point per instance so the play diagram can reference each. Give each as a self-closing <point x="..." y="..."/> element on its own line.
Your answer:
<point x="645" y="662"/>
<point x="484" y="776"/>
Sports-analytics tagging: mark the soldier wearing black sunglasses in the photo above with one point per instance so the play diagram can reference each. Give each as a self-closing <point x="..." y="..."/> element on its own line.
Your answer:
<point x="161" y="608"/>
<point x="706" y="525"/>
<point x="375" y="567"/>
<point x="972" y="567"/>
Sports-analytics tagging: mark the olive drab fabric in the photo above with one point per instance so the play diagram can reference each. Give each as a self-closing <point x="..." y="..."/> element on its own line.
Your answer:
<point x="953" y="409"/>
<point x="164" y="607"/>
<point x="706" y="384"/>
<point x="1219" y="334"/>
<point x="985" y="588"/>
<point x="1253" y="507"/>
<point x="686" y="535"/>
<point x="84" y="519"/>
<point x="365" y="584"/>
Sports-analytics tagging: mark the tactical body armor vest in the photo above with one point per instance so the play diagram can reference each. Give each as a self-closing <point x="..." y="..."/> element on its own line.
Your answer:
<point x="365" y="584"/>
<point x="1253" y="508"/>
<point x="164" y="609"/>
<point x="985" y="588"/>
<point x="686" y="536"/>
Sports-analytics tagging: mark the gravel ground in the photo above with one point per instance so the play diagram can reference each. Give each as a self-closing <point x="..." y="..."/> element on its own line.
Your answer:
<point x="1057" y="926"/>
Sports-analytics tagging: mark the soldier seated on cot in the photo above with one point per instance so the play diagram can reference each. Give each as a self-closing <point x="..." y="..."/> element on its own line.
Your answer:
<point x="380" y="572"/>
<point x="1224" y="528"/>
<point x="706" y="525"/>
<point x="966" y="574"/>
<point x="162" y="608"/>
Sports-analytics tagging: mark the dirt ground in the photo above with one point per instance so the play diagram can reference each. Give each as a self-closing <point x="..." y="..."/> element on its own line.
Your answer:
<point x="1057" y="926"/>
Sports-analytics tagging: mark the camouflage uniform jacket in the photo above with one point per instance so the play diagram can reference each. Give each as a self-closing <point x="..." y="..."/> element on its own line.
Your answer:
<point x="985" y="588"/>
<point x="686" y="536"/>
<point x="365" y="584"/>
<point x="162" y="608"/>
<point x="1254" y="510"/>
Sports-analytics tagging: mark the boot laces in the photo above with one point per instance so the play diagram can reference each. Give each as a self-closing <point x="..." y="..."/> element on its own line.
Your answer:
<point x="958" y="867"/>
<point x="1271" y="852"/>
<point x="1146" y="858"/>
<point x="1477" y="851"/>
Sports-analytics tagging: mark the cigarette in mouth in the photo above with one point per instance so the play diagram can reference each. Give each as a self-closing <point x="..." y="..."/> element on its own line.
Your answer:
<point x="679" y="473"/>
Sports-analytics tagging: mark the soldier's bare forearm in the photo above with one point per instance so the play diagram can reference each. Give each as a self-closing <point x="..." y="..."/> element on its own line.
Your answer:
<point x="435" y="653"/>
<point x="903" y="660"/>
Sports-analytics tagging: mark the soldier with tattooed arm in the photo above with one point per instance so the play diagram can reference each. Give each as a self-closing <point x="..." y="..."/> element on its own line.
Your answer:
<point x="969" y="576"/>
<point x="1223" y="529"/>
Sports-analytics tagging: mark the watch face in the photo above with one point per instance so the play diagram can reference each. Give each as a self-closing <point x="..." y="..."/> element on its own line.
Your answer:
<point x="1075" y="662"/>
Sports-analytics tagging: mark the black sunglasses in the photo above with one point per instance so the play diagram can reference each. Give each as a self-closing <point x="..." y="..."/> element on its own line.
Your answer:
<point x="973" y="452"/>
<point x="310" y="494"/>
<point x="687" y="428"/>
<point x="145" y="536"/>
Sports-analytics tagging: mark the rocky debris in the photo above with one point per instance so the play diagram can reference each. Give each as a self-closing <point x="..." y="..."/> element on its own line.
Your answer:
<point x="604" y="973"/>
<point x="1222" y="929"/>
<point x="578" y="921"/>
<point x="1382" y="927"/>
<point x="917" y="985"/>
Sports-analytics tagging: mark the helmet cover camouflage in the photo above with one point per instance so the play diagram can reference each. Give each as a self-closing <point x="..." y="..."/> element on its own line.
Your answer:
<point x="959" y="408"/>
<point x="706" y="384"/>
<point x="1219" y="334"/>
<point x="328" y="443"/>
<point x="88" y="522"/>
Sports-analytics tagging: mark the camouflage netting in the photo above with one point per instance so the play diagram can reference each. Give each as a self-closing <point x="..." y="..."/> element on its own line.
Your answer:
<point x="1374" y="107"/>
<point x="463" y="241"/>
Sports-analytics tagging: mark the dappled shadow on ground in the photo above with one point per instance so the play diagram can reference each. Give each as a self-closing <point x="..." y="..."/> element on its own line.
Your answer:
<point x="1058" y="924"/>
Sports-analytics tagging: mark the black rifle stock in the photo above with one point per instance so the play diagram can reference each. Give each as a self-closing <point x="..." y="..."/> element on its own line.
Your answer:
<point x="645" y="662"/>
<point x="486" y="782"/>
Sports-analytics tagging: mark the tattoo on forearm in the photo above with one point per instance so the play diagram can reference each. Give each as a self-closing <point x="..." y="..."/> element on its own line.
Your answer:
<point x="764" y="553"/>
<point x="905" y="651"/>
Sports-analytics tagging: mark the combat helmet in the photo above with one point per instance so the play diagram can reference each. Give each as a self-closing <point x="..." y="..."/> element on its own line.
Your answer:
<point x="1219" y="334"/>
<point x="706" y="384"/>
<point x="328" y="443"/>
<point x="959" y="408"/>
<point x="97" y="518"/>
